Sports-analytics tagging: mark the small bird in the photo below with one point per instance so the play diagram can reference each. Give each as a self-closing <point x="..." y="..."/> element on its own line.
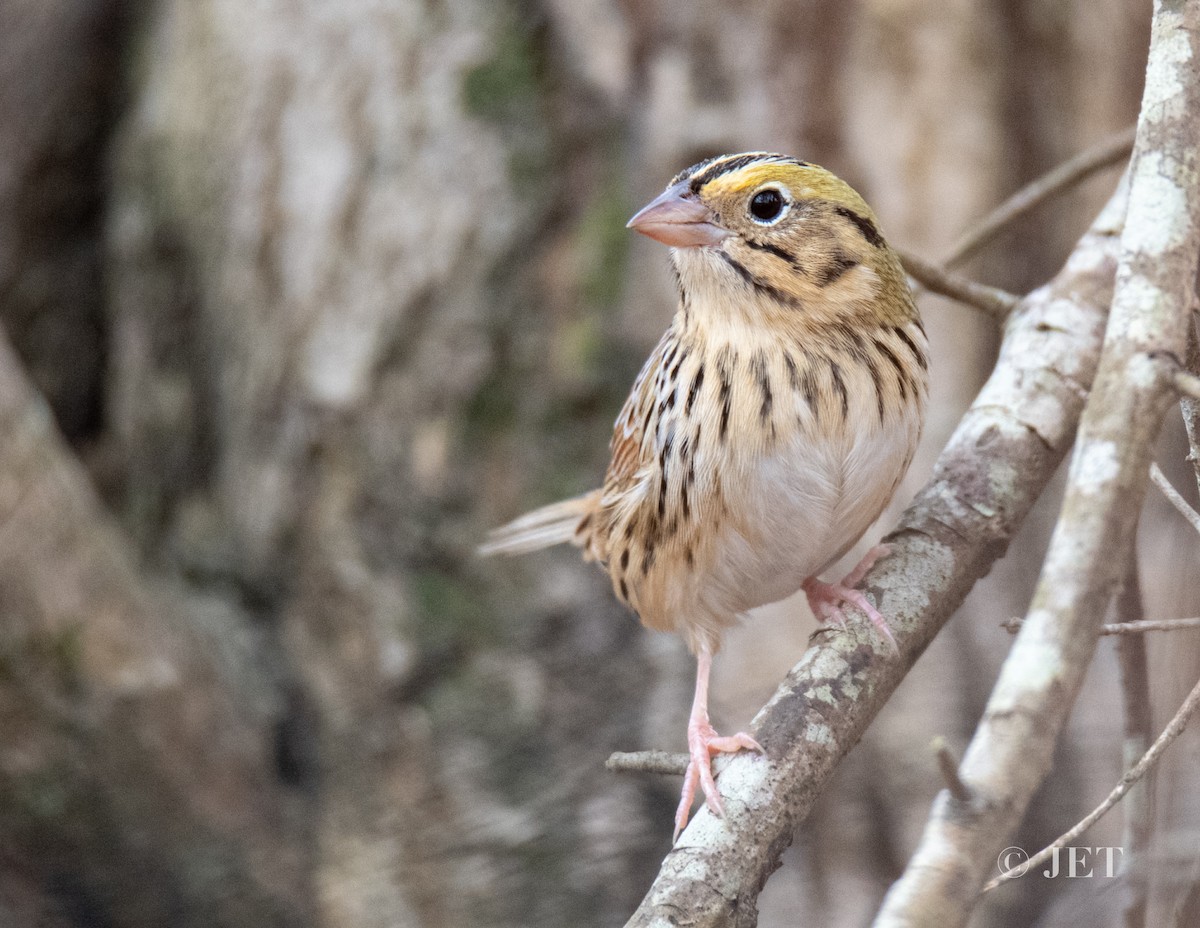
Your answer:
<point x="767" y="430"/>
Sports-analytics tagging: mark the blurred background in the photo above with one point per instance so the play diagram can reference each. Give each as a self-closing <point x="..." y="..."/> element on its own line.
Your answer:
<point x="299" y="298"/>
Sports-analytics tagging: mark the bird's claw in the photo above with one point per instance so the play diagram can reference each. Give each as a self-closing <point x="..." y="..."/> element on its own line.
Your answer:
<point x="703" y="743"/>
<point x="826" y="599"/>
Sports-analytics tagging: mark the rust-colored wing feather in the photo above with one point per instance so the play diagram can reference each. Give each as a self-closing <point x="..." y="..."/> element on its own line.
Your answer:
<point x="629" y="447"/>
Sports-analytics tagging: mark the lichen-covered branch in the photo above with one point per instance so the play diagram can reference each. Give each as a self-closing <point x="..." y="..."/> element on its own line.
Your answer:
<point x="1013" y="746"/>
<point x="995" y="466"/>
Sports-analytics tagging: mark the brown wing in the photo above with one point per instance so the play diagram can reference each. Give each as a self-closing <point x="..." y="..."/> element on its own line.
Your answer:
<point x="628" y="447"/>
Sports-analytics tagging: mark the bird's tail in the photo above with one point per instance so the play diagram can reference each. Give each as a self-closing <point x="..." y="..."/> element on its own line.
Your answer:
<point x="551" y="525"/>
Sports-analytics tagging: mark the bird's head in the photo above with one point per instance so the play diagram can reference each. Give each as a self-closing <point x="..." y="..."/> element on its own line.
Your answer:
<point x="784" y="233"/>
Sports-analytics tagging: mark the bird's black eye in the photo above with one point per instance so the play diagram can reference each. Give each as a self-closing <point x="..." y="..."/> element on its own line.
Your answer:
<point x="766" y="205"/>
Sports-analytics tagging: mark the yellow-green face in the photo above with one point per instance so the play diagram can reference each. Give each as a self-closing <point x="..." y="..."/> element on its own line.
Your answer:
<point x="762" y="194"/>
<point x="767" y="235"/>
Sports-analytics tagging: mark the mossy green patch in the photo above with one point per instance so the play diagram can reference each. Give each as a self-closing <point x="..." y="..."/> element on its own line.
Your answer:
<point x="511" y="90"/>
<point x="451" y="612"/>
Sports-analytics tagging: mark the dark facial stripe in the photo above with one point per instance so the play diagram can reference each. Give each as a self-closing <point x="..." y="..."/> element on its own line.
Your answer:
<point x="723" y="166"/>
<point x="838" y="265"/>
<point x="775" y="250"/>
<point x="759" y="286"/>
<point x="865" y="226"/>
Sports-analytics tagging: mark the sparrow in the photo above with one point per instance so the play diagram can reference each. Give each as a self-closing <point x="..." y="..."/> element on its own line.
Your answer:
<point x="767" y="430"/>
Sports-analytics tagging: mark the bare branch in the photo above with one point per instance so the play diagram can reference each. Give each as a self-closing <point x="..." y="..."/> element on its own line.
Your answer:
<point x="1187" y="384"/>
<point x="948" y="765"/>
<point x="1020" y="424"/>
<point x="991" y="300"/>
<point x="1012" y="749"/>
<point x="1173" y="497"/>
<point x="1135" y="773"/>
<point x="1189" y="401"/>
<point x="1135" y="698"/>
<point x="664" y="762"/>
<point x="1126" y="628"/>
<point x="1107" y="153"/>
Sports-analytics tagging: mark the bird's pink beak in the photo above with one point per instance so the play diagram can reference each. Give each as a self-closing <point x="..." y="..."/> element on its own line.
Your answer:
<point x="677" y="218"/>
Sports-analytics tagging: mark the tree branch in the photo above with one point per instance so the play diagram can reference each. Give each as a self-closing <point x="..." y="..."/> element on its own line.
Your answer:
<point x="1012" y="749"/>
<point x="996" y="464"/>
<point x="1135" y="700"/>
<point x="1131" y="777"/>
<point x="1181" y="505"/>
<point x="1126" y="628"/>
<point x="995" y="302"/>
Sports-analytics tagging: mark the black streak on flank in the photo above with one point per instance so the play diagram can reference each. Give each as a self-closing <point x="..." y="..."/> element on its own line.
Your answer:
<point x="648" y="560"/>
<point x="726" y="403"/>
<point x="678" y="364"/>
<point x="624" y="590"/>
<point x="719" y="168"/>
<point x="840" y="386"/>
<point x="694" y="390"/>
<point x="865" y="226"/>
<point x="918" y="355"/>
<point x="810" y="392"/>
<point x="838" y="265"/>
<point x="759" y="286"/>
<point x="901" y="376"/>
<point x="877" y="378"/>
<point x="759" y="363"/>
<point x="793" y="374"/>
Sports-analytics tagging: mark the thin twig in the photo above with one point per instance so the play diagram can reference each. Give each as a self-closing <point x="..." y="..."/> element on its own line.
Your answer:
<point x="664" y="762"/>
<point x="991" y="300"/>
<point x="1111" y="151"/>
<point x="1125" y="628"/>
<point x="1135" y="773"/>
<point x="1189" y="402"/>
<point x="1187" y="384"/>
<point x="1138" y="733"/>
<point x="948" y="765"/>
<point x="1173" y="497"/>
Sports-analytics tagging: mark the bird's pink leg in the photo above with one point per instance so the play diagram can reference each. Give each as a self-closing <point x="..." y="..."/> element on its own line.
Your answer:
<point x="703" y="742"/>
<point x="826" y="599"/>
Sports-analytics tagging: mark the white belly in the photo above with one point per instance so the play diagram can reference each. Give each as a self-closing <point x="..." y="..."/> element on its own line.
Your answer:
<point x="790" y="515"/>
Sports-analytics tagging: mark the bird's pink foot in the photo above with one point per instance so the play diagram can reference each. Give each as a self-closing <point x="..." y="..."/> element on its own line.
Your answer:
<point x="703" y="743"/>
<point x="826" y="599"/>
